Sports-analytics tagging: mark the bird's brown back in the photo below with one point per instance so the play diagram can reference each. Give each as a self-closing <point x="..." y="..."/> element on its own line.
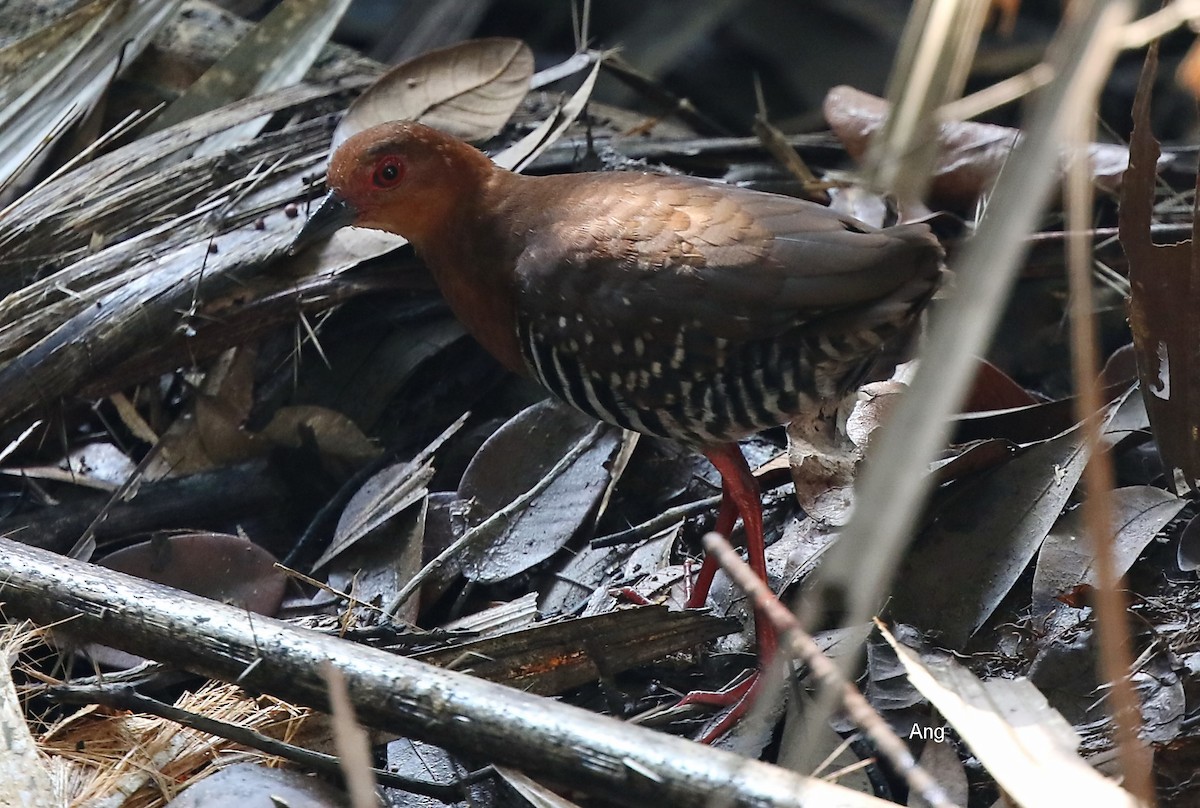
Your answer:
<point x="681" y="308"/>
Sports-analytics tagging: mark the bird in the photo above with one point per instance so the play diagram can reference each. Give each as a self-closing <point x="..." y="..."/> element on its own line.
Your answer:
<point x="670" y="305"/>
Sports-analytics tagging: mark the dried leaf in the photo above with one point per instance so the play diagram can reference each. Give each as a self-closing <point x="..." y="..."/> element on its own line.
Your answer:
<point x="995" y="390"/>
<point x="1066" y="562"/>
<point x="335" y="434"/>
<point x="532" y="793"/>
<point x="95" y="465"/>
<point x="984" y="538"/>
<point x="216" y="565"/>
<point x="1027" y="746"/>
<point x="1164" y="296"/>
<point x="275" y="54"/>
<point x="556" y="655"/>
<point x="468" y="90"/>
<point x="25" y="780"/>
<point x="970" y="154"/>
<point x="940" y="759"/>
<point x="53" y="77"/>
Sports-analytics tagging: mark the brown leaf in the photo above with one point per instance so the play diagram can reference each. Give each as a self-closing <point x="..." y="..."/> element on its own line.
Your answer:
<point x="970" y="154"/>
<point x="216" y="565"/>
<point x="980" y="542"/>
<point x="468" y="90"/>
<point x="336" y="435"/>
<point x="1164" y="296"/>
<point x="1066" y="561"/>
<point x="995" y="390"/>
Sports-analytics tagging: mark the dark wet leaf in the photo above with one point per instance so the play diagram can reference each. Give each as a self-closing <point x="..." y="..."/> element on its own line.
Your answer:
<point x="1161" y="695"/>
<point x="1164" y="296"/>
<point x="1066" y="560"/>
<point x="983" y="538"/>
<point x="518" y="457"/>
<point x="381" y="498"/>
<point x="888" y="687"/>
<point x="973" y="458"/>
<point x="418" y="760"/>
<point x="468" y="90"/>
<point x="252" y="785"/>
<point x="558" y="655"/>
<point x="375" y="569"/>
<point x="444" y="523"/>
<point x="1033" y="422"/>
<point x="599" y="568"/>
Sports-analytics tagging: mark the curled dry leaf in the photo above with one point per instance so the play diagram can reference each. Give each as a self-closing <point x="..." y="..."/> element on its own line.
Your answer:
<point x="824" y="465"/>
<point x="1163" y="300"/>
<point x="970" y="154"/>
<point x="336" y="435"/>
<point x="468" y="90"/>
<point x="823" y="469"/>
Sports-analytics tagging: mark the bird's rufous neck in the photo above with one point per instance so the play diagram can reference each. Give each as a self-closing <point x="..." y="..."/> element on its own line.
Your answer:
<point x="471" y="251"/>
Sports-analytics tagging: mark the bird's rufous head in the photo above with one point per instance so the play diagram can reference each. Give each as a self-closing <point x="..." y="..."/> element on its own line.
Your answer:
<point x="402" y="177"/>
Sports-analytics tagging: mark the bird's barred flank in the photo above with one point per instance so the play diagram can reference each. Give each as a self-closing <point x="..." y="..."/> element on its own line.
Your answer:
<point x="753" y="388"/>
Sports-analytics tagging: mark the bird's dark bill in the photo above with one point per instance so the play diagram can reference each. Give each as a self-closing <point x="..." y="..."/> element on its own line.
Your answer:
<point x="333" y="214"/>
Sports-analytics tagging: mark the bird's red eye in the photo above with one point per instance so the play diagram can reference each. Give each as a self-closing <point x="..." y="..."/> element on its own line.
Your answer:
<point x="388" y="173"/>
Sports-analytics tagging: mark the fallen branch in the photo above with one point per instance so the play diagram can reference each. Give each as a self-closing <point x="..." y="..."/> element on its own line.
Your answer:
<point x="611" y="760"/>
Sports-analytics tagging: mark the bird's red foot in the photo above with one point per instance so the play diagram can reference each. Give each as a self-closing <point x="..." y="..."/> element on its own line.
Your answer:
<point x="738" y="697"/>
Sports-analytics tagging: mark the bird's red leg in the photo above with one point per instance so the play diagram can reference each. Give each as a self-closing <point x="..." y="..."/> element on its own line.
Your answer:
<point x="740" y="490"/>
<point x="726" y="516"/>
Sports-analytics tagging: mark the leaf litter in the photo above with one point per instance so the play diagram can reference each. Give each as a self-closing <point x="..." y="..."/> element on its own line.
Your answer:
<point x="998" y="575"/>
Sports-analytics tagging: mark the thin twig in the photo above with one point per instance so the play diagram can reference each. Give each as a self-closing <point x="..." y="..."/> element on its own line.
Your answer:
<point x="800" y="644"/>
<point x="1098" y="475"/>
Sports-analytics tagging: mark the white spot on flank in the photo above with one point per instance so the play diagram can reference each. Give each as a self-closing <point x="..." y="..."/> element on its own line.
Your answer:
<point x="656" y="369"/>
<point x="618" y="348"/>
<point x="562" y="322"/>
<point x="677" y="358"/>
<point x="639" y="346"/>
<point x="1163" y="388"/>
